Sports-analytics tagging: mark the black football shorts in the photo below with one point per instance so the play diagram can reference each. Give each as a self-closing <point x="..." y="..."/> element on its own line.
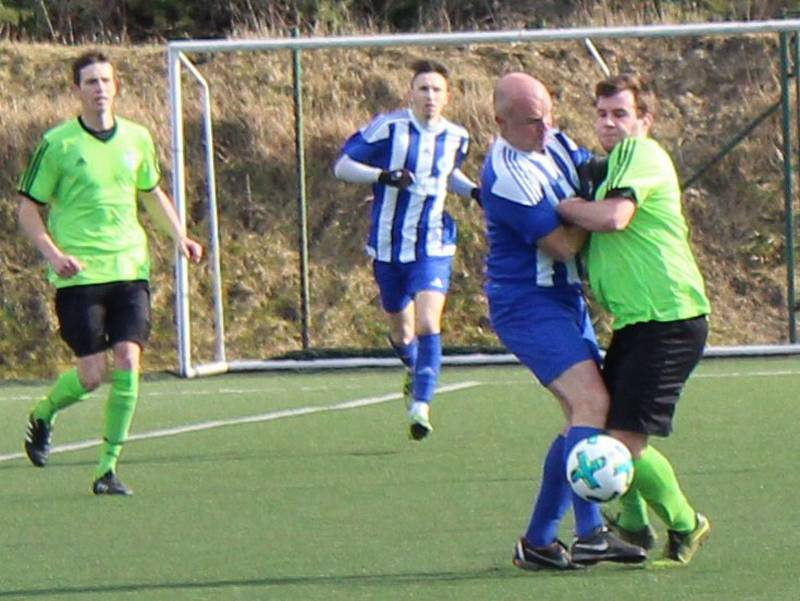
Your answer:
<point x="95" y="317"/>
<point x="645" y="368"/>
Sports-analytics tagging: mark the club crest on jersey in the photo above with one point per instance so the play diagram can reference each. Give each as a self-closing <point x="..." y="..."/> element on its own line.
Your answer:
<point x="132" y="160"/>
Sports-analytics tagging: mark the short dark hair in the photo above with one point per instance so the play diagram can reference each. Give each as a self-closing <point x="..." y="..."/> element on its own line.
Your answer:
<point x="84" y="60"/>
<point x="643" y="97"/>
<point x="429" y="66"/>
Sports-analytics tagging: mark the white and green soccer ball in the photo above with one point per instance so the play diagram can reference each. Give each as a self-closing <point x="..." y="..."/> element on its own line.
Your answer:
<point x="600" y="468"/>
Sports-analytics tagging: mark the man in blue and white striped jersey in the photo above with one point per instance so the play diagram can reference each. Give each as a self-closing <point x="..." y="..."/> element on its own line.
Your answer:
<point x="538" y="311"/>
<point x="412" y="158"/>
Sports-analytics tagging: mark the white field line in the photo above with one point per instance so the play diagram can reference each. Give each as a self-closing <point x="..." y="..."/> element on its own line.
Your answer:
<point x="750" y="374"/>
<point x="250" y="419"/>
<point x="696" y="376"/>
<point x="193" y="393"/>
<point x="261" y="390"/>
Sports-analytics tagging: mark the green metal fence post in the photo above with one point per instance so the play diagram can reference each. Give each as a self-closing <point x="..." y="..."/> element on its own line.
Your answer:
<point x="787" y="183"/>
<point x="300" y="163"/>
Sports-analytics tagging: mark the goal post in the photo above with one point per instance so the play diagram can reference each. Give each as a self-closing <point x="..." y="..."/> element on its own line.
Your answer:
<point x="178" y="53"/>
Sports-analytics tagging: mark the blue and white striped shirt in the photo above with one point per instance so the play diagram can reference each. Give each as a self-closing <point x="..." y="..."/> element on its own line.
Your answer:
<point x="520" y="191"/>
<point x="410" y="224"/>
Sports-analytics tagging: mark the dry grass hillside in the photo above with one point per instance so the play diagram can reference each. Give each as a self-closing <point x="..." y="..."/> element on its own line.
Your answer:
<point x="709" y="87"/>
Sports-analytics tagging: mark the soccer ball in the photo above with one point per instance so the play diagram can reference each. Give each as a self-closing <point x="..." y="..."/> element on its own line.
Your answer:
<point x="600" y="468"/>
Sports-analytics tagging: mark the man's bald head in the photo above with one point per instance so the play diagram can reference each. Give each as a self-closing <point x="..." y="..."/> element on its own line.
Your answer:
<point x="522" y="109"/>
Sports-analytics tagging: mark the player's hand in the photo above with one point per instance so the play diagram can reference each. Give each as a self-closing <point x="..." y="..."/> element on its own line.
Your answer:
<point x="590" y="175"/>
<point x="66" y="266"/>
<point x="191" y="249"/>
<point x="476" y="195"/>
<point x="399" y="178"/>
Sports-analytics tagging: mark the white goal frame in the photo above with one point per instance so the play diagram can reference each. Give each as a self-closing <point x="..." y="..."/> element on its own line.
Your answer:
<point x="177" y="61"/>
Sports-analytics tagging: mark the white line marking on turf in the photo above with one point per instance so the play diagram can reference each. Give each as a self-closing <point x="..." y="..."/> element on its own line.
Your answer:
<point x="748" y="374"/>
<point x="699" y="376"/>
<point x="192" y="393"/>
<point x="250" y="419"/>
<point x="512" y="382"/>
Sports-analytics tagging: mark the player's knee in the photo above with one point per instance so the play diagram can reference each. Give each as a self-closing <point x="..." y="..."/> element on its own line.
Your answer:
<point x="428" y="323"/>
<point x="401" y="336"/>
<point x="127" y="356"/>
<point x="635" y="441"/>
<point x="127" y="363"/>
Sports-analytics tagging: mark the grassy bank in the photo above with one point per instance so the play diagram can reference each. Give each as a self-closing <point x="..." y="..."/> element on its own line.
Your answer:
<point x="710" y="88"/>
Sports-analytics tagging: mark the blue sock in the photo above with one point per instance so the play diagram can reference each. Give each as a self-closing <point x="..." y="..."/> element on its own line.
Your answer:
<point x="407" y="353"/>
<point x="587" y="514"/>
<point x="426" y="369"/>
<point x="553" y="500"/>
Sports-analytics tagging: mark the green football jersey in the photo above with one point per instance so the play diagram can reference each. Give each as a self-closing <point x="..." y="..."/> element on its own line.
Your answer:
<point x="647" y="271"/>
<point x="90" y="186"/>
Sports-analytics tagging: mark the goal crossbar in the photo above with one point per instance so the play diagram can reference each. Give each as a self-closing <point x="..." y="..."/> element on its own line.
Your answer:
<point x="177" y="61"/>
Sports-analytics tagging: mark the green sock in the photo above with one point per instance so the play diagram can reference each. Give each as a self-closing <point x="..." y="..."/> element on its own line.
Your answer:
<point x="655" y="481"/>
<point x="633" y="511"/>
<point x="119" y="415"/>
<point x="67" y="391"/>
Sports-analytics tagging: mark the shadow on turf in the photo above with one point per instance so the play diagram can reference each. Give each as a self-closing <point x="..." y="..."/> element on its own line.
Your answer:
<point x="62" y="461"/>
<point x="379" y="580"/>
<point x="361" y="579"/>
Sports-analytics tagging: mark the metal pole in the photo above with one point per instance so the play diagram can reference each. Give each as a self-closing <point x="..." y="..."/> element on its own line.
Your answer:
<point x="790" y="220"/>
<point x="787" y="183"/>
<point x="213" y="215"/>
<point x="730" y="145"/>
<point x="598" y="58"/>
<point x="179" y="195"/>
<point x="305" y="302"/>
<point x="492" y="37"/>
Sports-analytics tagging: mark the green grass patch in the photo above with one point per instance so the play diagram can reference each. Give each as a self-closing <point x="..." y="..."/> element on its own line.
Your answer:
<point x="340" y="505"/>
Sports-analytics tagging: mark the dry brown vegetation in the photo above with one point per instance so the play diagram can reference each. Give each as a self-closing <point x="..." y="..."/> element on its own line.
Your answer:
<point x="709" y="88"/>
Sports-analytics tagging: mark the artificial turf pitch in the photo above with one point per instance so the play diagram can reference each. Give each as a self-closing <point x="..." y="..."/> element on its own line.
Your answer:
<point x="339" y="504"/>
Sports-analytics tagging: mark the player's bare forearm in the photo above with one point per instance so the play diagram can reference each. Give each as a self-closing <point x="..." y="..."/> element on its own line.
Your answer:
<point x="609" y="215"/>
<point x="576" y="237"/>
<point x="564" y="242"/>
<point x="32" y="225"/>
<point x="160" y="208"/>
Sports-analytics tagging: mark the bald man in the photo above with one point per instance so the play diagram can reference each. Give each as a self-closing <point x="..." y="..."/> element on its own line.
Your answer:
<point x="538" y="310"/>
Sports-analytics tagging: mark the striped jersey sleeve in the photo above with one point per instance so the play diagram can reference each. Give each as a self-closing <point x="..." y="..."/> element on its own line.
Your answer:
<point x="39" y="180"/>
<point x="520" y="192"/>
<point x="371" y="144"/>
<point x="567" y="155"/>
<point x="637" y="164"/>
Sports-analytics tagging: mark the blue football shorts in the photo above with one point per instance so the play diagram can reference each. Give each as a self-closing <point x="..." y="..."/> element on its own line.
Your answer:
<point x="399" y="283"/>
<point x="549" y="330"/>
